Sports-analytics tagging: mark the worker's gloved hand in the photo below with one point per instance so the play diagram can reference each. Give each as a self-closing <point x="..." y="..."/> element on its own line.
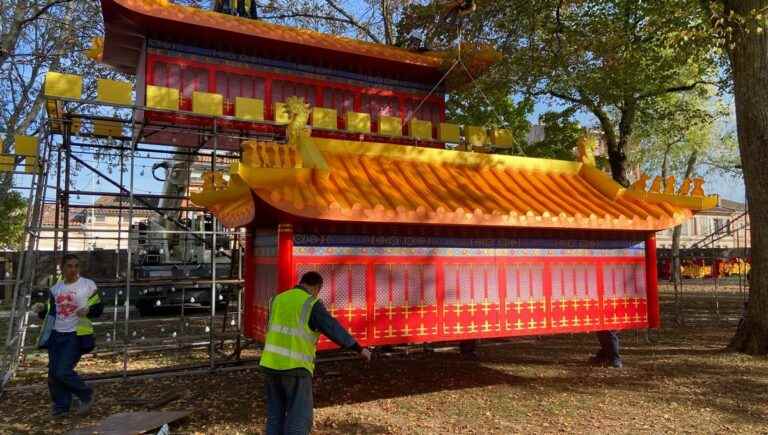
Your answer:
<point x="38" y="307"/>
<point x="365" y="354"/>
<point x="82" y="312"/>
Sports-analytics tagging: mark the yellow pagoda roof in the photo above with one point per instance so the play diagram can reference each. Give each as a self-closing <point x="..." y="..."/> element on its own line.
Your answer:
<point x="163" y="18"/>
<point x="385" y="183"/>
<point x="187" y="15"/>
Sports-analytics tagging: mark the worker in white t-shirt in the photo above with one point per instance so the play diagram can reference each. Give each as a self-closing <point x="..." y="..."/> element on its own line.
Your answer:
<point x="73" y="302"/>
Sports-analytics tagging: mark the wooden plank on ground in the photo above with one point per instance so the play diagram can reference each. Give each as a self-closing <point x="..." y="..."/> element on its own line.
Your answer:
<point x="125" y="423"/>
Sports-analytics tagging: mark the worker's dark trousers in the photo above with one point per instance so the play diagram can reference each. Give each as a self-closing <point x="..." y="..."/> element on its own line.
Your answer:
<point x="609" y="345"/>
<point x="289" y="404"/>
<point x="63" y="382"/>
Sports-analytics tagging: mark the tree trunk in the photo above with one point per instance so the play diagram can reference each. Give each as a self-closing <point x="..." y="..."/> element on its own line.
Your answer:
<point x="618" y="155"/>
<point x="749" y="65"/>
<point x="617" y="158"/>
<point x="676" y="276"/>
<point x="386" y="17"/>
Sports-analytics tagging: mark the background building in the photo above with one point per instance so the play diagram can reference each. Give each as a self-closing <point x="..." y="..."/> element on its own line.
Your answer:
<point x="94" y="227"/>
<point x="723" y="227"/>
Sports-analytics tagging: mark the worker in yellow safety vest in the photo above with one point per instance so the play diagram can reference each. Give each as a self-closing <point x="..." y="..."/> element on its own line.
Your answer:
<point x="67" y="333"/>
<point x="296" y="319"/>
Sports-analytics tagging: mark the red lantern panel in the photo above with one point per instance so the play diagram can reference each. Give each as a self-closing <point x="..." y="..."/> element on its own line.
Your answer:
<point x="386" y="295"/>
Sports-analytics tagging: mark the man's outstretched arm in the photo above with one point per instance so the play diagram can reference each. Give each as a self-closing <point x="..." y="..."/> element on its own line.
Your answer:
<point x="321" y="320"/>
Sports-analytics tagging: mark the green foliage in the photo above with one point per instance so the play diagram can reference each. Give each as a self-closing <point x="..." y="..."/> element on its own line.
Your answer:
<point x="606" y="58"/>
<point x="560" y="135"/>
<point x="678" y="125"/>
<point x="724" y="159"/>
<point x="13" y="210"/>
<point x="602" y="51"/>
<point x="481" y="105"/>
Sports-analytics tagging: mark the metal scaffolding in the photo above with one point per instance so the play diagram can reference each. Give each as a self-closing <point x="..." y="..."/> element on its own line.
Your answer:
<point x="71" y="147"/>
<point x="704" y="258"/>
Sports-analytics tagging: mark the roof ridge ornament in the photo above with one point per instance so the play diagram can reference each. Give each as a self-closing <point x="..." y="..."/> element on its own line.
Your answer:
<point x="685" y="197"/>
<point x="641" y="182"/>
<point x="586" y="145"/>
<point x="300" y="135"/>
<point x="685" y="187"/>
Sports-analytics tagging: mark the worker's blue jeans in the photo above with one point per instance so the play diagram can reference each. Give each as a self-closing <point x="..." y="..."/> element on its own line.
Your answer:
<point x="609" y="346"/>
<point x="289" y="404"/>
<point x="63" y="382"/>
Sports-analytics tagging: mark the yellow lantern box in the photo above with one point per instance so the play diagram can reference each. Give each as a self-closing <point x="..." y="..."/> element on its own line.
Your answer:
<point x="324" y="118"/>
<point x="63" y="85"/>
<point x="390" y="126"/>
<point x="206" y="103"/>
<point x="358" y="122"/>
<point x="502" y="138"/>
<point x="249" y="109"/>
<point x="159" y="97"/>
<point x="113" y="92"/>
<point x="420" y="129"/>
<point x="476" y="136"/>
<point x="25" y="145"/>
<point x="107" y="128"/>
<point x="6" y="162"/>
<point x="447" y="132"/>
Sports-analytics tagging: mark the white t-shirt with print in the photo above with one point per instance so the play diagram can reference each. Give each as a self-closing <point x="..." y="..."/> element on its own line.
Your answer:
<point x="69" y="298"/>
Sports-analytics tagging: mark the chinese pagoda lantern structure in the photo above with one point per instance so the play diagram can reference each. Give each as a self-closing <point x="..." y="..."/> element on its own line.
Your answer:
<point x="348" y="174"/>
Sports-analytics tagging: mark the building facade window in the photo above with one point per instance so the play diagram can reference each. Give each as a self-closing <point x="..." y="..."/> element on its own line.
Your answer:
<point x="686" y="228"/>
<point x="722" y="226"/>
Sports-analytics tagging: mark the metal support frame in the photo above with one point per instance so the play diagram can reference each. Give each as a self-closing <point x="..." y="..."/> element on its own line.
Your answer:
<point x="68" y="155"/>
<point x="132" y="207"/>
<point x="18" y="320"/>
<point x="214" y="230"/>
<point x="67" y="182"/>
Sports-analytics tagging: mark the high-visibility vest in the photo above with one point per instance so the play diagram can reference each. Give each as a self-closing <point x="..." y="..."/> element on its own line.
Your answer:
<point x="290" y="342"/>
<point x="84" y="325"/>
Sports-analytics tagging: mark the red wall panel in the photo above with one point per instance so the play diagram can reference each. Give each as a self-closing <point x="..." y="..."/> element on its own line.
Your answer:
<point x="398" y="295"/>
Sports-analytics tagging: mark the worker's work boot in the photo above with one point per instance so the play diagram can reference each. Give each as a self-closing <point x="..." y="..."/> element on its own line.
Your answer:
<point x="59" y="414"/>
<point x="85" y="407"/>
<point x="468" y="350"/>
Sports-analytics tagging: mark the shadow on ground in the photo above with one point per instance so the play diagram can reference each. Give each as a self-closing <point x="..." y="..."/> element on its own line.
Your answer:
<point x="682" y="380"/>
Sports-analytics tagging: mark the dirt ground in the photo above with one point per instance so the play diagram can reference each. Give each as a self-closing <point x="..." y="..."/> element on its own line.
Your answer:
<point x="680" y="381"/>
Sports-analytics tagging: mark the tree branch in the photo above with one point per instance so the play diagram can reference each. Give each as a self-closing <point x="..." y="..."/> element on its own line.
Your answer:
<point x="559" y="27"/>
<point x="673" y="89"/>
<point x="707" y="7"/>
<point x="568" y="98"/>
<point x="305" y="15"/>
<point x="387" y="19"/>
<point x="43" y="9"/>
<point x="352" y="21"/>
<point x="9" y="39"/>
